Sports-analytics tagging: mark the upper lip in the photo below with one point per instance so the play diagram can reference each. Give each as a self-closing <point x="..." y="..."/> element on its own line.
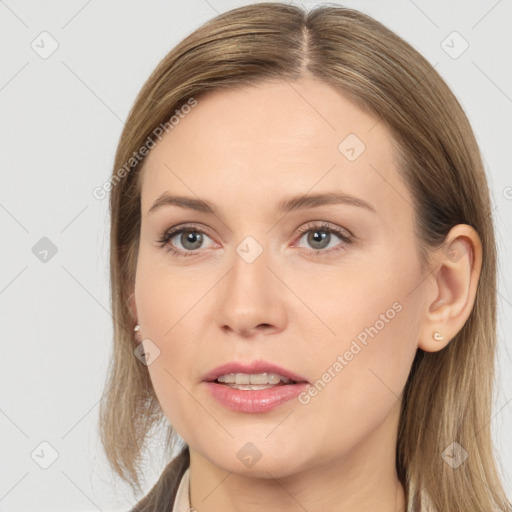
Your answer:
<point x="250" y="368"/>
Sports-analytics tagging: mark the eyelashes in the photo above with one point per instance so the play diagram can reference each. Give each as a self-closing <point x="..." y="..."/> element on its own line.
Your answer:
<point x="319" y="233"/>
<point x="168" y="235"/>
<point x="344" y="235"/>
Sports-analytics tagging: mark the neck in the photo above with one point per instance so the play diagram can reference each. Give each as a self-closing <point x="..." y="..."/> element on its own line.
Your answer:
<point x="363" y="480"/>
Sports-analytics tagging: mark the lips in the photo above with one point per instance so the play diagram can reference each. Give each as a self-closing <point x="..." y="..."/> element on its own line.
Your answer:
<point x="252" y="368"/>
<point x="255" y="401"/>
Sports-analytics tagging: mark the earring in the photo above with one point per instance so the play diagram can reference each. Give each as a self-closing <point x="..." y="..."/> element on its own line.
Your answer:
<point x="136" y="328"/>
<point x="437" y="336"/>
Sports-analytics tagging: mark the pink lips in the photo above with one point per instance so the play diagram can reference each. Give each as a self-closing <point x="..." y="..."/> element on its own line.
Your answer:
<point x="254" y="401"/>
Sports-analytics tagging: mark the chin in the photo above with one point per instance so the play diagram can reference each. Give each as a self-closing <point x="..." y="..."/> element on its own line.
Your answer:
<point x="255" y="460"/>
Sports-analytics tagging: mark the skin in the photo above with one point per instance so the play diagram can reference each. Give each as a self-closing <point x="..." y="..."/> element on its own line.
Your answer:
<point x="244" y="151"/>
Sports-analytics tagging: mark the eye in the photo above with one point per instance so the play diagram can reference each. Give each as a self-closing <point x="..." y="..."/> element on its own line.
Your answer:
<point x="189" y="237"/>
<point x="320" y="236"/>
<point x="188" y="240"/>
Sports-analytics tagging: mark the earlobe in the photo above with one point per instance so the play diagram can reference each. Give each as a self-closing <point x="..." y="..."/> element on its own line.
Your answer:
<point x="136" y="334"/>
<point x="451" y="287"/>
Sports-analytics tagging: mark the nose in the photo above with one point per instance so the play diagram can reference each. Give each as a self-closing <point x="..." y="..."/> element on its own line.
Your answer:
<point x="251" y="299"/>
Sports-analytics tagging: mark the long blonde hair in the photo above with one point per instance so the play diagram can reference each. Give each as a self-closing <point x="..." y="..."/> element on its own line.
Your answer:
<point x="448" y="396"/>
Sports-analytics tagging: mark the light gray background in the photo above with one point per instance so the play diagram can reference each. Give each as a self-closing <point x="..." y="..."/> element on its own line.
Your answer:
<point x="61" y="119"/>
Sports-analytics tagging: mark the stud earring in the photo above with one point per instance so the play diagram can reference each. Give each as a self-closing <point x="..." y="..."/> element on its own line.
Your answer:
<point x="136" y="328"/>
<point x="437" y="336"/>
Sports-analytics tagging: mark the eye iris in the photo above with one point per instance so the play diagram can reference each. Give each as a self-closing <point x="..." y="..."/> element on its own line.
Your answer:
<point x="193" y="237"/>
<point x="316" y="237"/>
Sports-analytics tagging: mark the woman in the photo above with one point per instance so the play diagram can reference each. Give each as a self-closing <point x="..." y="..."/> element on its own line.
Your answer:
<point x="303" y="274"/>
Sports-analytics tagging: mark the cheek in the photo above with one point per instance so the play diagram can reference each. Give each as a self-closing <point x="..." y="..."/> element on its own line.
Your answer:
<point x="364" y="368"/>
<point x="170" y="308"/>
<point x="363" y="364"/>
<point x="165" y="297"/>
<point x="359" y="379"/>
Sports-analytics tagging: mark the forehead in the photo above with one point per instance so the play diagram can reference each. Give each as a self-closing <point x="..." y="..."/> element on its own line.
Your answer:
<point x="277" y="137"/>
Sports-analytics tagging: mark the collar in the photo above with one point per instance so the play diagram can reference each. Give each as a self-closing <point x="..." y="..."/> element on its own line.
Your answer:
<point x="182" y="502"/>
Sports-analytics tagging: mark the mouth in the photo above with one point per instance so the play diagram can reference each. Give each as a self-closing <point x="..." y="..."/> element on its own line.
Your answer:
<point x="253" y="388"/>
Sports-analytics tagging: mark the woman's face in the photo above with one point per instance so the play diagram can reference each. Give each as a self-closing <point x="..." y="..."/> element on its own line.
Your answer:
<point x="330" y="291"/>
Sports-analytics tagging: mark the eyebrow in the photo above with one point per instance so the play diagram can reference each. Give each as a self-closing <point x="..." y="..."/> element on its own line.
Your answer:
<point x="285" y="206"/>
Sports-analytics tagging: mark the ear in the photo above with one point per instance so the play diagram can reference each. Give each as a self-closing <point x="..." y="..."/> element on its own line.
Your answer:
<point x="451" y="287"/>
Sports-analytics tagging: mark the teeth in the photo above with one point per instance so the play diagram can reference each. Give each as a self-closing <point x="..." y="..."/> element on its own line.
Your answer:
<point x="249" y="387"/>
<point x="253" y="378"/>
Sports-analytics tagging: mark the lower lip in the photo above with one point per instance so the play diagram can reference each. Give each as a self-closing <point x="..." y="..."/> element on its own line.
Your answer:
<point x="254" y="401"/>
